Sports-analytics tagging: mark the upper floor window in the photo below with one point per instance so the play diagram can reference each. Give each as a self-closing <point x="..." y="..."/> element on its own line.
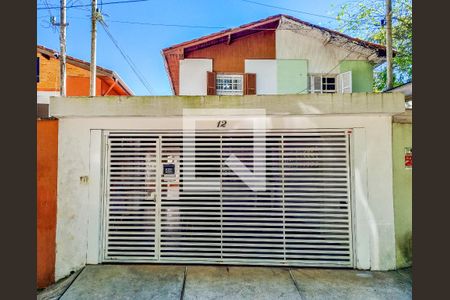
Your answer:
<point x="331" y="83"/>
<point x="229" y="84"/>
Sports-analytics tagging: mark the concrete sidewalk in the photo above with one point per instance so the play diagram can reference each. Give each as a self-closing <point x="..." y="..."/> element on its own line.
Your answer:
<point x="221" y="282"/>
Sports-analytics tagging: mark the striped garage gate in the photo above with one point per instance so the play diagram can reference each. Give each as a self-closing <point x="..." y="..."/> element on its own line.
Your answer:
<point x="284" y="198"/>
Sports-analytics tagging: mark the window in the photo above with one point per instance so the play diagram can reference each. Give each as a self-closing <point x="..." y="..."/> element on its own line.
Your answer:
<point x="229" y="84"/>
<point x="328" y="84"/>
<point x="322" y="84"/>
<point x="334" y="83"/>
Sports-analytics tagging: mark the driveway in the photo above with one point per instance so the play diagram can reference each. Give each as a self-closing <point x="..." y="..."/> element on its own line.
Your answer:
<point x="221" y="282"/>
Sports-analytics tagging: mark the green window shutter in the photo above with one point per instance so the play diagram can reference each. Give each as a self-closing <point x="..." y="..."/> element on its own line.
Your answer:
<point x="362" y="74"/>
<point x="344" y="82"/>
<point x="292" y="76"/>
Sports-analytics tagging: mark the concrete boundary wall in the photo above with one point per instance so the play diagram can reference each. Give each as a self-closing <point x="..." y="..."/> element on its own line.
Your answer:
<point x="372" y="188"/>
<point x="47" y="168"/>
<point x="83" y="119"/>
<point x="160" y="106"/>
<point x="401" y="139"/>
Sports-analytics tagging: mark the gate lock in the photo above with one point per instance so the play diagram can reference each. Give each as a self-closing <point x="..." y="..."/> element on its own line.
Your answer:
<point x="169" y="169"/>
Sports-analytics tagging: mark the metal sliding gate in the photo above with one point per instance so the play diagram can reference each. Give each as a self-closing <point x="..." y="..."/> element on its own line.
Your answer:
<point x="159" y="206"/>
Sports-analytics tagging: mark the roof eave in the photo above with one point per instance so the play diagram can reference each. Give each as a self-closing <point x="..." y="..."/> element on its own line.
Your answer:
<point x="116" y="76"/>
<point x="75" y="61"/>
<point x="223" y="33"/>
<point x="86" y="65"/>
<point x="361" y="42"/>
<point x="169" y="76"/>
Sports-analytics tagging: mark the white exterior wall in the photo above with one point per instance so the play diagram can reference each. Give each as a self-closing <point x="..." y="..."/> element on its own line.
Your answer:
<point x="321" y="58"/>
<point x="71" y="227"/>
<point x="266" y="75"/>
<point x="371" y="168"/>
<point x="44" y="97"/>
<point x="193" y="76"/>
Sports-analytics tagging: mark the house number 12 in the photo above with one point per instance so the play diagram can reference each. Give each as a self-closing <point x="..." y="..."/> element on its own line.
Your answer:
<point x="222" y="123"/>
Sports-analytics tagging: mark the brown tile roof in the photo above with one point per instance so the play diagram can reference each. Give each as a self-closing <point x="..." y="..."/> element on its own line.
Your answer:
<point x="257" y="24"/>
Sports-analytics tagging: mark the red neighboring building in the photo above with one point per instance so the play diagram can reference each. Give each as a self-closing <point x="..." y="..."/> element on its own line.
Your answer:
<point x="78" y="79"/>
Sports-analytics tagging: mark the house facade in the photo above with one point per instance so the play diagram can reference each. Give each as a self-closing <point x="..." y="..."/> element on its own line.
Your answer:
<point x="277" y="55"/>
<point x="175" y="179"/>
<point x="78" y="79"/>
<point x="127" y="193"/>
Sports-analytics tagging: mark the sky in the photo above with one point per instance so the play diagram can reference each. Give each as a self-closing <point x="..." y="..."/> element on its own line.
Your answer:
<point x="143" y="43"/>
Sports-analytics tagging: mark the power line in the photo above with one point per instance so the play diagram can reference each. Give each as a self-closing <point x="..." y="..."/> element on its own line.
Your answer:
<point x="127" y="58"/>
<point x="48" y="8"/>
<point x="80" y="6"/>
<point x="167" y="25"/>
<point x="292" y="10"/>
<point x="74" y="2"/>
<point x="193" y="26"/>
<point x="47" y="24"/>
<point x="88" y="5"/>
<point x="308" y="13"/>
<point x="185" y="25"/>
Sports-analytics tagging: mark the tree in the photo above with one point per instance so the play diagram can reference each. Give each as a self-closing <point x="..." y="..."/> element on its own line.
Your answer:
<point x="363" y="19"/>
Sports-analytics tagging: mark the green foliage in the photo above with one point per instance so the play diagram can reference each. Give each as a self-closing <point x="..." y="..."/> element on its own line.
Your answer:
<point x="362" y="19"/>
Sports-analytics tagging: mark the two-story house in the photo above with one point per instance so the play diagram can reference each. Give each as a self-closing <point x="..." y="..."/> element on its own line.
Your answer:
<point x="108" y="82"/>
<point x="287" y="180"/>
<point x="277" y="55"/>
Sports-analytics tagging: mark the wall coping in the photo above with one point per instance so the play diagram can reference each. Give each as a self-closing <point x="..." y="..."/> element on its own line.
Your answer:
<point x="166" y="106"/>
<point x="403" y="118"/>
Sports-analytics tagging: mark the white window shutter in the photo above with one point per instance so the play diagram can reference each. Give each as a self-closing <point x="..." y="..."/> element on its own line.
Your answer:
<point x="308" y="84"/>
<point x="315" y="84"/>
<point x="339" y="83"/>
<point x="311" y="83"/>
<point x="344" y="82"/>
<point x="318" y="84"/>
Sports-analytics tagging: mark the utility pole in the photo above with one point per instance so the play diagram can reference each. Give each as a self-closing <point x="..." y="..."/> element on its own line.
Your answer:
<point x="62" y="44"/>
<point x="93" y="47"/>
<point x="389" y="54"/>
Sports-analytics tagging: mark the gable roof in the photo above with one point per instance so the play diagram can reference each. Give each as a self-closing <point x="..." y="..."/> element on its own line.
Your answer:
<point x="264" y="24"/>
<point x="87" y="65"/>
<point x="270" y="23"/>
<point x="218" y="37"/>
